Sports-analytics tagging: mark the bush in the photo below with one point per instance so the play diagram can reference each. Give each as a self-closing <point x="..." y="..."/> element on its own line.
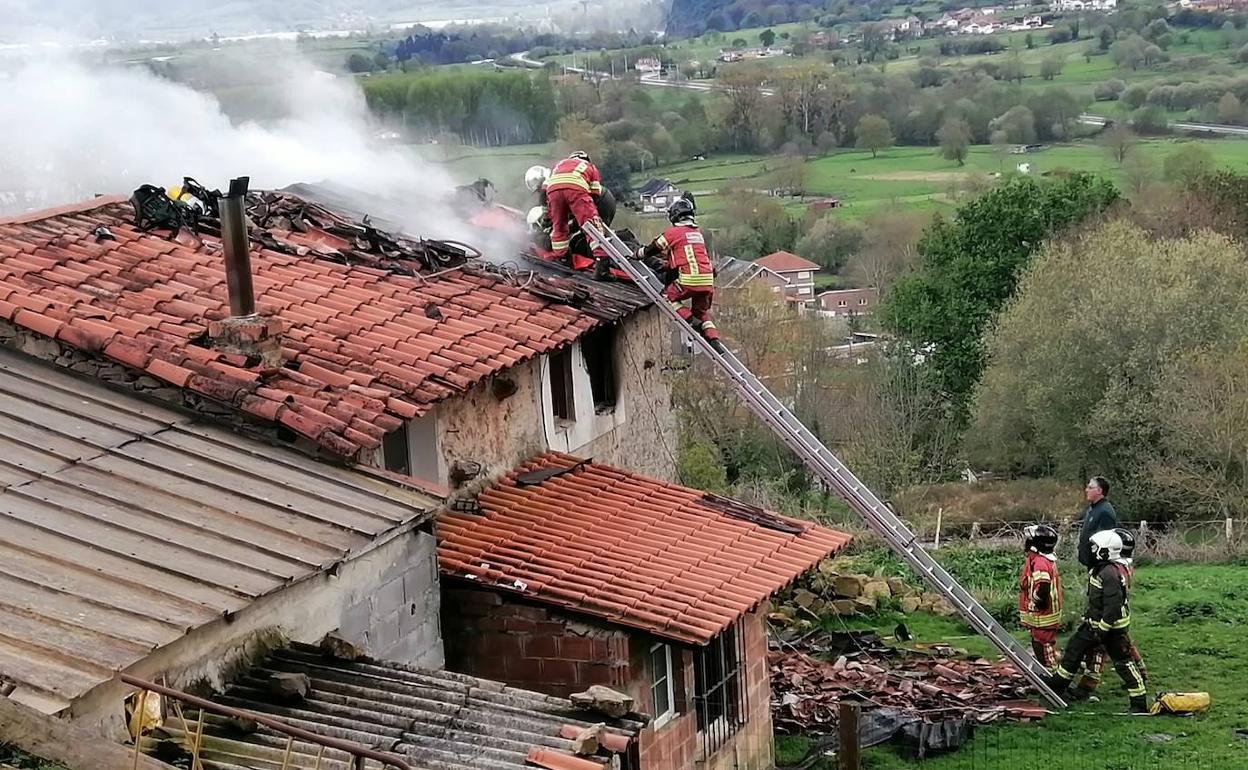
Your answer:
<point x="1109" y="91"/>
<point x="1135" y="96"/>
<point x="1241" y="55"/>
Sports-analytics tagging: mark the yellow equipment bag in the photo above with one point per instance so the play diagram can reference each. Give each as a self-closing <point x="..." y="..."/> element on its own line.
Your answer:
<point x="1182" y="703"/>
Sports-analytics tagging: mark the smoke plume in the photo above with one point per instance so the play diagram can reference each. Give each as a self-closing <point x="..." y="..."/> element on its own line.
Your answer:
<point x="73" y="131"/>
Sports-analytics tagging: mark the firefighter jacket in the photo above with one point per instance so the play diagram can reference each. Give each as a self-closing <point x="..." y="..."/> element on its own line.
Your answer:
<point x="1108" y="609"/>
<point x="685" y="251"/>
<point x="1040" y="592"/>
<point x="575" y="174"/>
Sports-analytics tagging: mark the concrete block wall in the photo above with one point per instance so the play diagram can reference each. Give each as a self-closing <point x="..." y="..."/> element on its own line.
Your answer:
<point x="400" y="620"/>
<point x="528" y="645"/>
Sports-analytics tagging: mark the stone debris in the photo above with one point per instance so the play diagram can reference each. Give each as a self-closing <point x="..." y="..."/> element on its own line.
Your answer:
<point x="604" y="700"/>
<point x="811" y="676"/>
<point x="290" y="686"/>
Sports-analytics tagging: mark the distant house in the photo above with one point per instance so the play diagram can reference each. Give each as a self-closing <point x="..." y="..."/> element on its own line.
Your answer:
<point x="825" y="204"/>
<point x="657" y="194"/>
<point x="981" y="25"/>
<point x="844" y="302"/>
<point x="1084" y="5"/>
<point x="732" y="273"/>
<point x="649" y="64"/>
<point x="798" y="274"/>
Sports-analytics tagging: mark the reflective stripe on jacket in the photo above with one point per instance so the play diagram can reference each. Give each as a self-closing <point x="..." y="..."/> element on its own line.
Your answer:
<point x="686" y="253"/>
<point x="573" y="173"/>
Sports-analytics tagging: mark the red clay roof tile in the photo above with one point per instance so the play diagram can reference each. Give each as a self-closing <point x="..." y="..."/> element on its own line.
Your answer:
<point x="630" y="550"/>
<point x="142" y="298"/>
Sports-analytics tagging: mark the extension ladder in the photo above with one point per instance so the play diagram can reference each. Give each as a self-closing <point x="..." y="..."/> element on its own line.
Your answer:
<point x="878" y="516"/>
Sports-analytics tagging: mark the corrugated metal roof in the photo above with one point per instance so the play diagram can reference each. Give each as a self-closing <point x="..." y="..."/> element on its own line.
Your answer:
<point x="124" y="525"/>
<point x="437" y="720"/>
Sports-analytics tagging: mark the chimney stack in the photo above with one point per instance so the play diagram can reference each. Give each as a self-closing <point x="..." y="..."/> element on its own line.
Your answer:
<point x="237" y="249"/>
<point x="245" y="332"/>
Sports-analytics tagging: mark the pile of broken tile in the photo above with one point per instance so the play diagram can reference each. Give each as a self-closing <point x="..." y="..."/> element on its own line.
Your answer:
<point x="810" y="677"/>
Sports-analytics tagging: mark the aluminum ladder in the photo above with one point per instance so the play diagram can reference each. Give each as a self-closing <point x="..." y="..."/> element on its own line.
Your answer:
<point x="878" y="516"/>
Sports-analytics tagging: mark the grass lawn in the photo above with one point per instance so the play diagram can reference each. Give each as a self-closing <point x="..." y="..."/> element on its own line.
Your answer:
<point x="1186" y="622"/>
<point x="916" y="176"/>
<point x="504" y="166"/>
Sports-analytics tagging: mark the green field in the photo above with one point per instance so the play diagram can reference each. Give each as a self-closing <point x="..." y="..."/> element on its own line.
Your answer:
<point x="1186" y="621"/>
<point x="917" y="176"/>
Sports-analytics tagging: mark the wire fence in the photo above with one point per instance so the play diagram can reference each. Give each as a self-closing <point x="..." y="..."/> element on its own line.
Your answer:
<point x="1173" y="540"/>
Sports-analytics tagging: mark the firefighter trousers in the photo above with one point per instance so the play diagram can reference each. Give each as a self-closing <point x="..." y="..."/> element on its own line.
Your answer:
<point x="566" y="204"/>
<point x="1094" y="667"/>
<point x="1117" y="644"/>
<point x="1044" y="646"/>
<point x="698" y="311"/>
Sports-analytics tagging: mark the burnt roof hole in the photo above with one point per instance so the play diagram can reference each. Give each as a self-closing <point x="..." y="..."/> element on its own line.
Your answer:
<point x="750" y="513"/>
<point x="534" y="478"/>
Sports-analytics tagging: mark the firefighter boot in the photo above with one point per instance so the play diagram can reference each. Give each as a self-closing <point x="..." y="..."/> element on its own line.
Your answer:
<point x="602" y="268"/>
<point x="1058" y="682"/>
<point x="1139" y="704"/>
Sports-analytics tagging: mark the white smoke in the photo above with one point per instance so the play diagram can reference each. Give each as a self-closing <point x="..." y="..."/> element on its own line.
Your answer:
<point x="71" y="132"/>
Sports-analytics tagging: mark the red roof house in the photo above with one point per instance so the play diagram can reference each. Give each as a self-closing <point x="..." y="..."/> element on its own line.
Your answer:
<point x="798" y="273"/>
<point x="573" y="574"/>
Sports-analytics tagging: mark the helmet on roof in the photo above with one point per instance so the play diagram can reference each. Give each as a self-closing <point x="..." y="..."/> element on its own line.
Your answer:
<point x="680" y="209"/>
<point x="1040" y="538"/>
<point x="1106" y="546"/>
<point x="535" y="177"/>
<point x="535" y="217"/>
<point x="579" y="155"/>
<point x="1128" y="542"/>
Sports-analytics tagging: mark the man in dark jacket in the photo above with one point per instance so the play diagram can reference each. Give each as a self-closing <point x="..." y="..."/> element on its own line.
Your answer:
<point x="1098" y="517"/>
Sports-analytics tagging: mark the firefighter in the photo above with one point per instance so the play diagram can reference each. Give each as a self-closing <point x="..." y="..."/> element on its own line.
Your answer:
<point x="686" y="266"/>
<point x="1105" y="622"/>
<point x="1094" y="661"/>
<point x="573" y="184"/>
<point x="1040" y="593"/>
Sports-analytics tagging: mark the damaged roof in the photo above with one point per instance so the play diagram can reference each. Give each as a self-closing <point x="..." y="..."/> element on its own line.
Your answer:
<point x="630" y="550"/>
<point x="436" y="720"/>
<point x="376" y="328"/>
<point x="123" y="526"/>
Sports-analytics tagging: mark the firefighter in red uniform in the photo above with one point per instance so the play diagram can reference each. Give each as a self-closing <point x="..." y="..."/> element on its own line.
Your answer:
<point x="570" y="190"/>
<point x="1094" y="661"/>
<point x="1040" y="593"/>
<point x="687" y="265"/>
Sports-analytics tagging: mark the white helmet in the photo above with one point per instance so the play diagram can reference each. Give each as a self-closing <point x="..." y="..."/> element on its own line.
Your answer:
<point x="535" y="177"/>
<point x="535" y="217"/>
<point x="1106" y="546"/>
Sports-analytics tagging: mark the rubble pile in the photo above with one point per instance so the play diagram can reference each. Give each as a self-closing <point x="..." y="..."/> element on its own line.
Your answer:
<point x="934" y="683"/>
<point x="826" y="591"/>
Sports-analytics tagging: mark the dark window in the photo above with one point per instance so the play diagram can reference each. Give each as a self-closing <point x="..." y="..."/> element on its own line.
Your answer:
<point x="662" y="684"/>
<point x="394" y="452"/>
<point x="598" y="349"/>
<point x="720" y="688"/>
<point x="562" y="403"/>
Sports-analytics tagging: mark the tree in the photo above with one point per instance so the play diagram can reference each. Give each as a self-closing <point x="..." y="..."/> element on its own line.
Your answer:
<point x="743" y="108"/>
<point x="955" y="140"/>
<point x="874" y="134"/>
<point x="576" y="133"/>
<point x="1119" y="141"/>
<point x="1105" y="38"/>
<point x="358" y="62"/>
<point x="830" y="242"/>
<point x="1187" y="164"/>
<point x="1052" y="66"/>
<point x="1109" y="91"/>
<point x="1011" y="69"/>
<point x="1018" y="124"/>
<point x="969" y="268"/>
<point x="1136" y="381"/>
<point x="1139" y="171"/>
<point x="889" y="247"/>
<point x="767" y="37"/>
<point x="1029" y="41"/>
<point x="1128" y="53"/>
<point x="1230" y="109"/>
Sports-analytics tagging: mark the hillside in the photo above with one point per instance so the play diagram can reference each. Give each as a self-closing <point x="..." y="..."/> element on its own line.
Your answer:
<point x="688" y="18"/>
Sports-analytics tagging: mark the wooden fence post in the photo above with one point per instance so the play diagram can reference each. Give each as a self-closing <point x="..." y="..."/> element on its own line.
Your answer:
<point x="974" y="530"/>
<point x="1141" y="540"/>
<point x="1230" y="531"/>
<point x="850" y="751"/>
<point x="940" y="513"/>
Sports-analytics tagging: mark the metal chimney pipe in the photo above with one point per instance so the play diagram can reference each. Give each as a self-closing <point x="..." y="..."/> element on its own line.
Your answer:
<point x="237" y="249"/>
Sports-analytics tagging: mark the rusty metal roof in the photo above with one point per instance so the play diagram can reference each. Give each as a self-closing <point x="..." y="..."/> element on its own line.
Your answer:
<point x="124" y="525"/>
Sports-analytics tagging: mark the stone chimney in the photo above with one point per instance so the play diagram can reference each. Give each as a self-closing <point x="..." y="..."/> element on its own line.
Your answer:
<point x="244" y="332"/>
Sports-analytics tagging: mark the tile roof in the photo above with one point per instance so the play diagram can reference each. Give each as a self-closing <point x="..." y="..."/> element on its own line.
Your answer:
<point x="124" y="525"/>
<point x="628" y="549"/>
<point x="436" y="720"/>
<point x="784" y="262"/>
<point x="368" y="339"/>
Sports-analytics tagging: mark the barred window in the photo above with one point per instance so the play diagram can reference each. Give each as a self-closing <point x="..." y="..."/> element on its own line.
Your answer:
<point x="720" y="688"/>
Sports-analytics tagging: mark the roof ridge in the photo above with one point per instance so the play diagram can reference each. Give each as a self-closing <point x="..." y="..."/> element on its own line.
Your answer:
<point x="100" y="201"/>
